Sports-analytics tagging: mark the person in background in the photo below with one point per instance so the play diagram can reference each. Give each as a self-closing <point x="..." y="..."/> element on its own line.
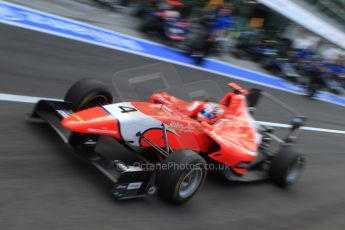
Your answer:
<point x="217" y="26"/>
<point x="315" y="72"/>
<point x="214" y="4"/>
<point x="145" y="7"/>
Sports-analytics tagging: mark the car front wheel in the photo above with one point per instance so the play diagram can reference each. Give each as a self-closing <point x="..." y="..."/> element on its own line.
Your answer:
<point x="181" y="175"/>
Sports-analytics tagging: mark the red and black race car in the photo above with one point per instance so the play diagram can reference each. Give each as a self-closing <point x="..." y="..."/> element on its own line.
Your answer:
<point x="177" y="141"/>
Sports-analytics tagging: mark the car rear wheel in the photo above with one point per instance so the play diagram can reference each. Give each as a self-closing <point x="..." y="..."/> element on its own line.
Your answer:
<point x="181" y="175"/>
<point x="286" y="167"/>
<point x="87" y="93"/>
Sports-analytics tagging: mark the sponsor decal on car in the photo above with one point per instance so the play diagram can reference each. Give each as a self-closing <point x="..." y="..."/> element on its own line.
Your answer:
<point x="64" y="113"/>
<point x="104" y="131"/>
<point x="134" y="185"/>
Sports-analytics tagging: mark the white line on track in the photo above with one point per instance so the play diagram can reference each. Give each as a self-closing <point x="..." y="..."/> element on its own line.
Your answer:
<point x="280" y="125"/>
<point x="32" y="100"/>
<point x="20" y="98"/>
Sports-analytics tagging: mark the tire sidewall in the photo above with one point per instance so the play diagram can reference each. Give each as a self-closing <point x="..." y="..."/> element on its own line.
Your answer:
<point x="282" y="163"/>
<point x="169" y="180"/>
<point x="177" y="186"/>
<point x="84" y="91"/>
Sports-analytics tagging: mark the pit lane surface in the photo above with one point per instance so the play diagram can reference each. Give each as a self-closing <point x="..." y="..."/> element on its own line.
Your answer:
<point x="43" y="186"/>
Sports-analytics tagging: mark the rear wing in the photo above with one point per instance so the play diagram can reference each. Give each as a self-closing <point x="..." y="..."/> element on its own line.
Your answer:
<point x="298" y="120"/>
<point x="253" y="99"/>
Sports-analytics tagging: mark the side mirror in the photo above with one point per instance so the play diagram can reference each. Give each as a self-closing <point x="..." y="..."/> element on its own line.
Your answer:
<point x="238" y="89"/>
<point x="297" y="122"/>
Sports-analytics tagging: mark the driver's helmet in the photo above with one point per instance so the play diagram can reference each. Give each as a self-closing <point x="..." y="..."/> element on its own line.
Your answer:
<point x="211" y="112"/>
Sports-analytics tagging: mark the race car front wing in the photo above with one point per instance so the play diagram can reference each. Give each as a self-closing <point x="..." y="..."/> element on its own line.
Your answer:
<point x="128" y="181"/>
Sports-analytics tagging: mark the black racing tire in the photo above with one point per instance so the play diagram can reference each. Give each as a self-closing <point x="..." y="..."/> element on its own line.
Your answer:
<point x="286" y="167"/>
<point x="179" y="184"/>
<point x="87" y="93"/>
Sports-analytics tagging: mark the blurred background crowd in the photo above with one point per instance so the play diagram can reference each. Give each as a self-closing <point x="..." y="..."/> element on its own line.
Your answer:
<point x="246" y="29"/>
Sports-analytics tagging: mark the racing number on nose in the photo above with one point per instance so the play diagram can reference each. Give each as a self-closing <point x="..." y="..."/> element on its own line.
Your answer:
<point x="127" y="109"/>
